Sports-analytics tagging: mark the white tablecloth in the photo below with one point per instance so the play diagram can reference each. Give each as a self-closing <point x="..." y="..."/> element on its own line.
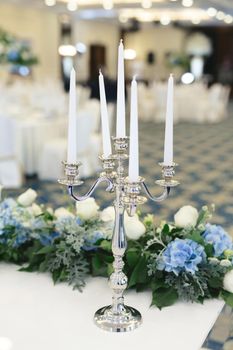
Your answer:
<point x="35" y="315"/>
<point x="23" y="138"/>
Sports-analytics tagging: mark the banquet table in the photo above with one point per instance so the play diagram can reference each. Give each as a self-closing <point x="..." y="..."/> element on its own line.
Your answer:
<point x="23" y="138"/>
<point x="35" y="315"/>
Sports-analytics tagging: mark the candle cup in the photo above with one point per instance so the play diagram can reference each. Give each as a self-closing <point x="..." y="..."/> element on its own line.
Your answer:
<point x="108" y="164"/>
<point x="121" y="145"/>
<point x="72" y="174"/>
<point x="168" y="173"/>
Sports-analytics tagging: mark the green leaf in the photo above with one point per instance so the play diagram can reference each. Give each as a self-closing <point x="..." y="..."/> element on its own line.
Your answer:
<point x="166" y="229"/>
<point x="201" y="217"/>
<point x="132" y="257"/>
<point x="164" y="297"/>
<point x="99" y="266"/>
<point x="106" y="245"/>
<point x="209" y="249"/>
<point x="157" y="284"/>
<point x="196" y="237"/>
<point x="139" y="274"/>
<point x="45" y="250"/>
<point x="227" y="297"/>
<point x="215" y="282"/>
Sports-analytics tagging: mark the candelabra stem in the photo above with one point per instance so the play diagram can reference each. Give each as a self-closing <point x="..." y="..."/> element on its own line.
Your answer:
<point x="118" y="317"/>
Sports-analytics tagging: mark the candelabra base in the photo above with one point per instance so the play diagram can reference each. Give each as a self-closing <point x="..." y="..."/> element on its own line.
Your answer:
<point x="128" y="320"/>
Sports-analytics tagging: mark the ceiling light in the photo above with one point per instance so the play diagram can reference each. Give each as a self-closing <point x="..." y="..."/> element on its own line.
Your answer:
<point x="165" y="20"/>
<point x="212" y="11"/>
<point x="129" y="54"/>
<point x="187" y="78"/>
<point x="123" y="18"/>
<point x="220" y="15"/>
<point x="50" y="2"/>
<point x="67" y="50"/>
<point x="107" y="4"/>
<point x="146" y="4"/>
<point x="228" y="19"/>
<point x="196" y="20"/>
<point x="187" y="3"/>
<point x="72" y="5"/>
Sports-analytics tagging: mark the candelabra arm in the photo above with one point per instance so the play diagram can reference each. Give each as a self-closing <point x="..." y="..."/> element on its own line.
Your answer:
<point x="160" y="198"/>
<point x="92" y="189"/>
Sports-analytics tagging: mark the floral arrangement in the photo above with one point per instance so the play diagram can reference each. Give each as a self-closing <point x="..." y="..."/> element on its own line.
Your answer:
<point x="188" y="259"/>
<point x="174" y="59"/>
<point x="15" y="51"/>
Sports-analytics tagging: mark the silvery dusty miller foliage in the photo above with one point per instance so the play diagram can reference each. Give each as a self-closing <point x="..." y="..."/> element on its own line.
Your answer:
<point x="187" y="263"/>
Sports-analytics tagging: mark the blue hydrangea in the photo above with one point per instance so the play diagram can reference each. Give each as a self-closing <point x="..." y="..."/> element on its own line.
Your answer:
<point x="13" y="55"/>
<point x="220" y="239"/>
<point x="8" y="203"/>
<point x="47" y="239"/>
<point x="89" y="243"/>
<point x="68" y="224"/>
<point x="181" y="255"/>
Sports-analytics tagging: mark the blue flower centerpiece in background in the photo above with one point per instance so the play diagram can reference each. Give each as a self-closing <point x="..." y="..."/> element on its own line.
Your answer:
<point x="181" y="255"/>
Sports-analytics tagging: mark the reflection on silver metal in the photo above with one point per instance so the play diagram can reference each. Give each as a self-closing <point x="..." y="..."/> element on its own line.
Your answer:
<point x="118" y="317"/>
<point x="108" y="165"/>
<point x="72" y="174"/>
<point x="168" y="173"/>
<point x="128" y="320"/>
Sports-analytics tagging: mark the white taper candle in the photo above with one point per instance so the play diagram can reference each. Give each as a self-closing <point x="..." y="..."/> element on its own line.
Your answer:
<point x="72" y="127"/>
<point x="120" y="123"/>
<point x="168" y="142"/>
<point x="133" y="146"/>
<point x="107" y="148"/>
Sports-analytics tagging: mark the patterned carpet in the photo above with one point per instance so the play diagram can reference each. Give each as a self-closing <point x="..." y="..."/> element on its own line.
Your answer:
<point x="205" y="157"/>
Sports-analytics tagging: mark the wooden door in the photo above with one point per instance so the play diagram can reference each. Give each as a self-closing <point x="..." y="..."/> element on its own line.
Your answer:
<point x="97" y="60"/>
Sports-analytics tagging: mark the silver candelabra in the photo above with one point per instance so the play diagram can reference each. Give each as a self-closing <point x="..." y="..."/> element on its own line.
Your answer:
<point x="118" y="317"/>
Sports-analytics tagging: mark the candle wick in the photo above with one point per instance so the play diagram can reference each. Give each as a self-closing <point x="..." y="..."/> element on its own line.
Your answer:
<point x="121" y="41"/>
<point x="100" y="71"/>
<point x="135" y="77"/>
<point x="171" y="75"/>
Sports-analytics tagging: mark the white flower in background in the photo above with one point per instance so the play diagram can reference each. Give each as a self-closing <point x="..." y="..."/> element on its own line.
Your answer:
<point x="87" y="209"/>
<point x="228" y="281"/>
<point x="225" y="263"/>
<point x="186" y="216"/>
<point x="108" y="214"/>
<point x="27" y="198"/>
<point x="63" y="213"/>
<point x="50" y="210"/>
<point x="134" y="228"/>
<point x="35" y="209"/>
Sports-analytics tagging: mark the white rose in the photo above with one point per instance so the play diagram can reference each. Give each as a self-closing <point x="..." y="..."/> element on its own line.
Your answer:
<point x="108" y="214"/>
<point x="87" y="209"/>
<point x="228" y="281"/>
<point x="186" y="216"/>
<point x="225" y="263"/>
<point x="134" y="228"/>
<point x="63" y="213"/>
<point x="35" y="209"/>
<point x="27" y="198"/>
